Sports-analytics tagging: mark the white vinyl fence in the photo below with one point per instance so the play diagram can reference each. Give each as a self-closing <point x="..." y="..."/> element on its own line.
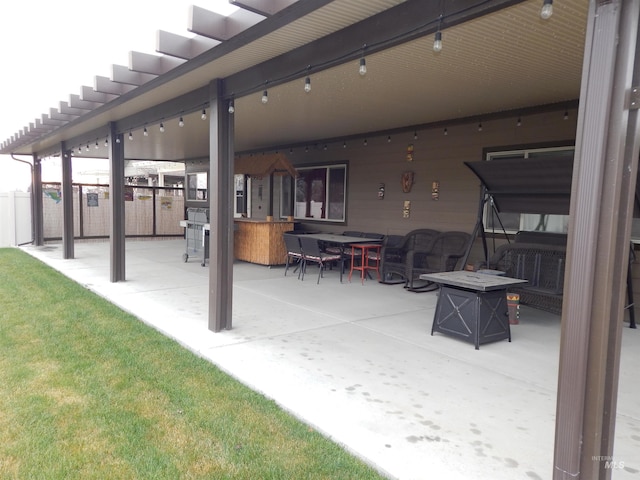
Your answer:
<point x="15" y="218"/>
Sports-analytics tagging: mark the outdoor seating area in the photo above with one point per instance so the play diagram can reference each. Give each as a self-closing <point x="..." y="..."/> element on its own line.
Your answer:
<point x="363" y="368"/>
<point x="540" y="258"/>
<point x="421" y="251"/>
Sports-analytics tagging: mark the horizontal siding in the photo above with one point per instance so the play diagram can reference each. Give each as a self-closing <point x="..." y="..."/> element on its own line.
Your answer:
<point x="436" y="157"/>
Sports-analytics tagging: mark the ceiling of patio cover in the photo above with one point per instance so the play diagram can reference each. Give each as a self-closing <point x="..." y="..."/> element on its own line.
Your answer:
<point x="532" y="185"/>
<point x="264" y="165"/>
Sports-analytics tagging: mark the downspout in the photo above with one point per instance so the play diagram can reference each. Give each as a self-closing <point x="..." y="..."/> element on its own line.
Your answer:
<point x="32" y="200"/>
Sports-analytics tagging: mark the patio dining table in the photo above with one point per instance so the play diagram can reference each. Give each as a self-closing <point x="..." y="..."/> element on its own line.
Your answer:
<point x="341" y="241"/>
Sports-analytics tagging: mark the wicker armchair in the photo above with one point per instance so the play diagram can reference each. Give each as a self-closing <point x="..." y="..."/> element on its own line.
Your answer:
<point x="429" y="255"/>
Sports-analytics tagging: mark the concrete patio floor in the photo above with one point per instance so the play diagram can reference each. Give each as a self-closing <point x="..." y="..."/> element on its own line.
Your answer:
<point x="358" y="363"/>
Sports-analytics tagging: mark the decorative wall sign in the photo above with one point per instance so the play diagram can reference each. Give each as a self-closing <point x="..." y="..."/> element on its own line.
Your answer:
<point x="406" y="209"/>
<point x="407" y="181"/>
<point x="92" y="200"/>
<point x="410" y="152"/>
<point x="435" y="190"/>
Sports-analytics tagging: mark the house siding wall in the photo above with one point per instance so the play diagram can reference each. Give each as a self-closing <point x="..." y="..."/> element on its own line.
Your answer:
<point x="436" y="157"/>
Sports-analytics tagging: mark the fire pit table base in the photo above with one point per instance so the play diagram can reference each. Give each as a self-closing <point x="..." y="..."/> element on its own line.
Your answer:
<point x="472" y="306"/>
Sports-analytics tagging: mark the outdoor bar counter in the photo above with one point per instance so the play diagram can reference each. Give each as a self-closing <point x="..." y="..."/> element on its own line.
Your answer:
<point x="260" y="241"/>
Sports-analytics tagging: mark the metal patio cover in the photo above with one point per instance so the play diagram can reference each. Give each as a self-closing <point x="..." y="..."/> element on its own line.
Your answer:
<point x="498" y="58"/>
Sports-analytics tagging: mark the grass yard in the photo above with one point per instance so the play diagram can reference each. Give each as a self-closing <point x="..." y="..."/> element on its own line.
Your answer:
<point x="89" y="392"/>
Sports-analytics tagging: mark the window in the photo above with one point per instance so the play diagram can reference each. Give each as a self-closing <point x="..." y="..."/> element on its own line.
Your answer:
<point x="513" y="222"/>
<point x="320" y="193"/>
<point x="197" y="186"/>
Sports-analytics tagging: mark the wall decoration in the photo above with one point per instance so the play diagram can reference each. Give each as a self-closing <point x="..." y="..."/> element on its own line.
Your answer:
<point x="410" y="152"/>
<point x="406" y="209"/>
<point x="407" y="181"/>
<point x="92" y="200"/>
<point x="166" y="203"/>
<point x="435" y="190"/>
<point x="53" y="194"/>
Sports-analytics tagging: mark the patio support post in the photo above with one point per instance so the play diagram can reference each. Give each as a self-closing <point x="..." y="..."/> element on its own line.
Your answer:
<point x="603" y="187"/>
<point x="36" y="202"/>
<point x="67" y="204"/>
<point x="221" y="186"/>
<point x="116" y="199"/>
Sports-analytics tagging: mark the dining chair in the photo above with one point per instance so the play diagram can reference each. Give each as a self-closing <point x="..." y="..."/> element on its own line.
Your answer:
<point x="294" y="252"/>
<point x="311" y="252"/>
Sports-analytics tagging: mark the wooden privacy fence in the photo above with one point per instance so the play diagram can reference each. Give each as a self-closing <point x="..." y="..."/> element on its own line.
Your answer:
<point x="149" y="211"/>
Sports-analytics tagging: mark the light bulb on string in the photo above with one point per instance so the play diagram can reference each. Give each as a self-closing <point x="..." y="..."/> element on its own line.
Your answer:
<point x="344" y="144"/>
<point x="566" y="115"/>
<point x="145" y="132"/>
<point x="415" y="135"/>
<point x="519" y="122"/>
<point x="480" y="127"/>
<point x="117" y="138"/>
<point x="232" y="107"/>
<point x="161" y="127"/>
<point x="88" y="147"/>
<point x="362" y="70"/>
<point x="130" y="136"/>
<point x="547" y="9"/>
<point x="437" y="42"/>
<point x="97" y="146"/>
<point x="203" y="116"/>
<point x="265" y="97"/>
<point x="389" y="139"/>
<point x="307" y="84"/>
<point x="106" y="142"/>
<point x="446" y="132"/>
<point x="181" y="122"/>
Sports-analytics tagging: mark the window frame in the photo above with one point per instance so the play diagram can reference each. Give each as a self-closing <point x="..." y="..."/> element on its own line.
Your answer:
<point x="328" y="193"/>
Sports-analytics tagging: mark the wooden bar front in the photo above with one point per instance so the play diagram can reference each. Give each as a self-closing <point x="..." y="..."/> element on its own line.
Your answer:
<point x="260" y="241"/>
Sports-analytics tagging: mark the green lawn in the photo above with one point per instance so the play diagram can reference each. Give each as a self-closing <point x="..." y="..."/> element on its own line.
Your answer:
<point x="89" y="392"/>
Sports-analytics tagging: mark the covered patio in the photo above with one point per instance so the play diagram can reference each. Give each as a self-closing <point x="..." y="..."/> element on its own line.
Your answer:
<point x="358" y="363"/>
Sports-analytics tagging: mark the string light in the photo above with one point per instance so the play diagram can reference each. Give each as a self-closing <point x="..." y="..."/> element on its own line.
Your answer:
<point x="566" y="115"/>
<point x="130" y="135"/>
<point x="106" y="142"/>
<point x="365" y="142"/>
<point x="307" y="84"/>
<point x="265" y="96"/>
<point x="437" y="41"/>
<point x="88" y="147"/>
<point x="204" y="114"/>
<point x="161" y="127"/>
<point x="446" y="132"/>
<point x="97" y="146"/>
<point x="363" y="67"/>
<point x="232" y="108"/>
<point x="145" y="132"/>
<point x="547" y="9"/>
<point x="480" y="127"/>
<point x="519" y="122"/>
<point x="117" y="138"/>
<point x="181" y="122"/>
<point x="344" y="144"/>
<point x="415" y="135"/>
<point x="389" y="139"/>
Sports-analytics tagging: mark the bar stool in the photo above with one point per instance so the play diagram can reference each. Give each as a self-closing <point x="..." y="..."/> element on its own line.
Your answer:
<point x="369" y="254"/>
